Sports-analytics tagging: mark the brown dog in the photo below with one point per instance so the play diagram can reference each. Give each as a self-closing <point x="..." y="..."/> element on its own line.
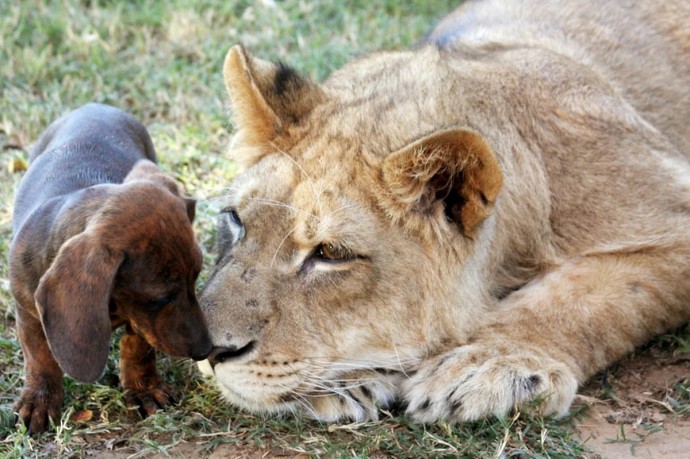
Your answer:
<point x="101" y="239"/>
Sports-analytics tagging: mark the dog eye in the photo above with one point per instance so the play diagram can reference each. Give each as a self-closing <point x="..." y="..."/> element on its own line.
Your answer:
<point x="333" y="252"/>
<point x="159" y="303"/>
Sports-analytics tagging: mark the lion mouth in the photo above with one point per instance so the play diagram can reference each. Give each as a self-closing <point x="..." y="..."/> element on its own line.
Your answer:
<point x="221" y="354"/>
<point x="265" y="386"/>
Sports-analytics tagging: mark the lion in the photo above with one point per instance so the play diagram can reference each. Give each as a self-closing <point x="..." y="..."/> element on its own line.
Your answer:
<point x="466" y="228"/>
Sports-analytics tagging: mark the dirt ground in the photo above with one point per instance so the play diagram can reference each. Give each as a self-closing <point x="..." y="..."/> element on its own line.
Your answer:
<point x="630" y="413"/>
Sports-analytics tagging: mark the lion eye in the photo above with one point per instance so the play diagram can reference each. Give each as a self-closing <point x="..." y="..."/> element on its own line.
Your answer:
<point x="235" y="218"/>
<point x="230" y="229"/>
<point x="333" y="252"/>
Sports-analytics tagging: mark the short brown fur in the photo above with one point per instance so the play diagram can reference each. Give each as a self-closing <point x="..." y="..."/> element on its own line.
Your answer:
<point x="102" y="238"/>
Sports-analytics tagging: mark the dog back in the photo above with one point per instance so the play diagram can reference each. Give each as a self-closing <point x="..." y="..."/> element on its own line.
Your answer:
<point x="91" y="145"/>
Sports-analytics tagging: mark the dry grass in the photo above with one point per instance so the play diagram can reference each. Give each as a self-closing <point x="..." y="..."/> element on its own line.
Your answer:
<point x="161" y="60"/>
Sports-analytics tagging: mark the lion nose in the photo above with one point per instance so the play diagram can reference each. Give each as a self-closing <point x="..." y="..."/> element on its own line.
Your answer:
<point x="220" y="354"/>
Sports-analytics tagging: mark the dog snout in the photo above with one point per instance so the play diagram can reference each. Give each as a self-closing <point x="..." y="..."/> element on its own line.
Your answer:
<point x="220" y="354"/>
<point x="200" y="356"/>
<point x="202" y="350"/>
<point x="203" y="346"/>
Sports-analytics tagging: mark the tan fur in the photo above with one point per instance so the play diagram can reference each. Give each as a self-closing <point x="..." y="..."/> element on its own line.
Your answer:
<point x="484" y="221"/>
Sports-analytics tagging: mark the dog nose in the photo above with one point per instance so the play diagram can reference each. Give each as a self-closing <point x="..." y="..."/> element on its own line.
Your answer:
<point x="199" y="356"/>
<point x="202" y="347"/>
<point x="220" y="354"/>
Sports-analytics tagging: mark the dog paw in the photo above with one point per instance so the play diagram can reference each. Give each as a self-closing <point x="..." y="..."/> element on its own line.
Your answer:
<point x="475" y="381"/>
<point x="148" y="401"/>
<point x="37" y="407"/>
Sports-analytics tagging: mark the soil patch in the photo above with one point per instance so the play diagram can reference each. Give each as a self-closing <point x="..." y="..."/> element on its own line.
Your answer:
<point x="634" y="411"/>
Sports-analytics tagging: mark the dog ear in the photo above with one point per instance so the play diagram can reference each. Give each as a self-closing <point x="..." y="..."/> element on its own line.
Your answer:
<point x="143" y="169"/>
<point x="148" y="170"/>
<point x="191" y="208"/>
<point x="73" y="299"/>
<point x="266" y="98"/>
<point x="453" y="171"/>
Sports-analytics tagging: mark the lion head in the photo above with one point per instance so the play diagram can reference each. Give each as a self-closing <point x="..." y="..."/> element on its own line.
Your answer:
<point x="347" y="245"/>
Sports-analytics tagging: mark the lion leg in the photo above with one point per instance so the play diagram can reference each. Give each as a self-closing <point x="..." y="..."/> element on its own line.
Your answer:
<point x="554" y="333"/>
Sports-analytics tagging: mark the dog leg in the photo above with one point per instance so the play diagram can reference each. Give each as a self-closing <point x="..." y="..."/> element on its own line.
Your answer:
<point x="42" y="396"/>
<point x="143" y="387"/>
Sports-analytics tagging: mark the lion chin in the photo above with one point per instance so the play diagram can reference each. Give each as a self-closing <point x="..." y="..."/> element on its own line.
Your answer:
<point x="473" y="226"/>
<point x="355" y="396"/>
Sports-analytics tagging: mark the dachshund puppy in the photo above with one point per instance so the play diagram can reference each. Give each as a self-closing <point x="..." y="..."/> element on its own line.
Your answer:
<point x="102" y="238"/>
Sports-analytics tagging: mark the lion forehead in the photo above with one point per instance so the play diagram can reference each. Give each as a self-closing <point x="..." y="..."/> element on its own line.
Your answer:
<point x="274" y="177"/>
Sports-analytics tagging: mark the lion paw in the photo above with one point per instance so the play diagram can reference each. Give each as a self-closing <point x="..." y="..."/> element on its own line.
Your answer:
<point x="472" y="382"/>
<point x="358" y="397"/>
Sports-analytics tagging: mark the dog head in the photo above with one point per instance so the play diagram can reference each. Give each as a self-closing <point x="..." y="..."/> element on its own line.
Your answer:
<point x="136" y="263"/>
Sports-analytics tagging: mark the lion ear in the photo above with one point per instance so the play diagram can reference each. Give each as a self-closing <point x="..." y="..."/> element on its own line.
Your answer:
<point x="266" y="98"/>
<point x="452" y="171"/>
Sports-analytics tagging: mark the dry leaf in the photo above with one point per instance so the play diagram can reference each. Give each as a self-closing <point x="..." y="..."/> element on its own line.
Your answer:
<point x="82" y="416"/>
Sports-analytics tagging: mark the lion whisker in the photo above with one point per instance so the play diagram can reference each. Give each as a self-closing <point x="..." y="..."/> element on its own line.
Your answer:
<point x="273" y="202"/>
<point x="317" y="195"/>
<point x="400" y="363"/>
<point x="342" y="208"/>
<point x="275" y="254"/>
<point x="300" y="399"/>
<point x="333" y="390"/>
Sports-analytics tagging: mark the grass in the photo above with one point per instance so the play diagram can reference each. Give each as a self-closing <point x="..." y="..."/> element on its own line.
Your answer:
<point x="160" y="60"/>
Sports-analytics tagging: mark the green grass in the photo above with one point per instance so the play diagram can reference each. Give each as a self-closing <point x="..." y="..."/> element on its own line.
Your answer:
<point x="161" y="60"/>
